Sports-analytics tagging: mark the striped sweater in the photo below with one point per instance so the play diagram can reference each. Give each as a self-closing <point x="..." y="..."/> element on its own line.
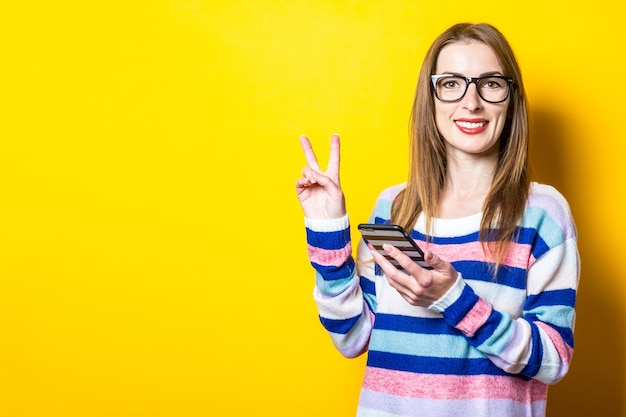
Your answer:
<point x="489" y="347"/>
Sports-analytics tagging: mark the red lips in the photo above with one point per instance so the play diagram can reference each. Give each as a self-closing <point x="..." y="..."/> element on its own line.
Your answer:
<point x="471" y="126"/>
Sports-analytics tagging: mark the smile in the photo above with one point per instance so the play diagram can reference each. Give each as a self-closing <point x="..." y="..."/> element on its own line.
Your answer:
<point x="471" y="127"/>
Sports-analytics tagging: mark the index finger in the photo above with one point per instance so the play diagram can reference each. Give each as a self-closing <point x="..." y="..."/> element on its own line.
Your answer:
<point x="405" y="262"/>
<point x="309" y="154"/>
<point x="390" y="266"/>
<point x="335" y="156"/>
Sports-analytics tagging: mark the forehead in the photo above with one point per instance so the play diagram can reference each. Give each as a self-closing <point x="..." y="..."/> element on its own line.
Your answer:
<point x="468" y="58"/>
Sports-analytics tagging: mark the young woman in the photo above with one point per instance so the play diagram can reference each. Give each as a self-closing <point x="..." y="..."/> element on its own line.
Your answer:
<point x="490" y="326"/>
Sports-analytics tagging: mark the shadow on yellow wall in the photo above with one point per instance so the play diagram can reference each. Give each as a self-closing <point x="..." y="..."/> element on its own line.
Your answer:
<point x="596" y="383"/>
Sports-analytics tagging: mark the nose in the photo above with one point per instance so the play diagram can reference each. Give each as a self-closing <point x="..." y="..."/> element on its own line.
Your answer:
<point x="471" y="99"/>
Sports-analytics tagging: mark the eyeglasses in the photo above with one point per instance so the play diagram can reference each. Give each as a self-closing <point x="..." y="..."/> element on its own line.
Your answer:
<point x="451" y="87"/>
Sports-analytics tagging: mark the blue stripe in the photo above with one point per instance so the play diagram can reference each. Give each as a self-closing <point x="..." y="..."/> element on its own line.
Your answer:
<point x="525" y="236"/>
<point x="539" y="247"/>
<point x="369" y="293"/>
<point x="536" y="356"/>
<point x="341" y="326"/>
<point x="328" y="240"/>
<point x="409" y="324"/>
<point x="480" y="271"/>
<point x="459" y="309"/>
<point x="530" y="236"/>
<point x="566" y="297"/>
<point x="371" y="302"/>
<point x="438" y="240"/>
<point x="368" y="286"/>
<point x="549" y="229"/>
<point x="566" y="333"/>
<point x="432" y="365"/>
<point x="331" y="272"/>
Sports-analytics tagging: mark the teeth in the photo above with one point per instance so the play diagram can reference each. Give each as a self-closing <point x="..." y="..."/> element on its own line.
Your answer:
<point x="471" y="125"/>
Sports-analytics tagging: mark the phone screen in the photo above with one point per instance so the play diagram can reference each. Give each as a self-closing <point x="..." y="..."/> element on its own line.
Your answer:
<point x="379" y="234"/>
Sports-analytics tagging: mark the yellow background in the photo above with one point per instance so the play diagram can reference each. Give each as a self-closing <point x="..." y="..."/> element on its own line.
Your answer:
<point x="152" y="253"/>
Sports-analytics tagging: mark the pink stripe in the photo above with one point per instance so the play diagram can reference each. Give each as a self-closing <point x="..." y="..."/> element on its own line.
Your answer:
<point x="476" y="317"/>
<point x="452" y="387"/>
<point x="565" y="351"/>
<point x="335" y="257"/>
<point x="518" y="255"/>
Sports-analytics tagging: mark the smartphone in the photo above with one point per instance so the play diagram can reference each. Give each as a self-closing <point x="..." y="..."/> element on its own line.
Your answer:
<point x="379" y="234"/>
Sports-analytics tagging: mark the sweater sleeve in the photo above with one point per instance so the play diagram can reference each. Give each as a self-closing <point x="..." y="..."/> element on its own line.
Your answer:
<point x="343" y="310"/>
<point x="539" y="344"/>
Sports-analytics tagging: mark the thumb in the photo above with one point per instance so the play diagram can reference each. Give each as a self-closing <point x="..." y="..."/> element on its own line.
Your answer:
<point x="436" y="262"/>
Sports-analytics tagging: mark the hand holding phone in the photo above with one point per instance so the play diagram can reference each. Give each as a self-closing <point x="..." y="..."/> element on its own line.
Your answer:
<point x="379" y="234"/>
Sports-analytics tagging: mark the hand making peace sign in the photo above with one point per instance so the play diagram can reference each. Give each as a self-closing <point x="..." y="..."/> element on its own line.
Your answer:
<point x="320" y="192"/>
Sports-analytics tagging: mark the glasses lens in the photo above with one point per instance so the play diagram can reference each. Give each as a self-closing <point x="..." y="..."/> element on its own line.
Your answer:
<point x="451" y="88"/>
<point x="493" y="89"/>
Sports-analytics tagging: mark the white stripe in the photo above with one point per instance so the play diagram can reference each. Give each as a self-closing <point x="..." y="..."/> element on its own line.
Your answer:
<point x="558" y="269"/>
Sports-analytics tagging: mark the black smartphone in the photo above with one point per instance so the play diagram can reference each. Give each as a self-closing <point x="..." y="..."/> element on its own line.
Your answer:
<point x="379" y="234"/>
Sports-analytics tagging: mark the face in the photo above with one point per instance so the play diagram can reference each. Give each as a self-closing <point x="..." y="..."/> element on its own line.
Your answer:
<point x="470" y="126"/>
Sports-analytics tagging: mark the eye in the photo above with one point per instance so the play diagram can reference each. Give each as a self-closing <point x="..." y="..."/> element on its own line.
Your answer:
<point x="492" y="83"/>
<point x="451" y="83"/>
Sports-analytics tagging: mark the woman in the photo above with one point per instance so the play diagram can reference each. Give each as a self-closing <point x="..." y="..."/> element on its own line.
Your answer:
<point x="490" y="326"/>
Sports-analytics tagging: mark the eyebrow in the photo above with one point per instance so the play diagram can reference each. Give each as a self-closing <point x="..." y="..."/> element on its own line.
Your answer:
<point x="484" y="74"/>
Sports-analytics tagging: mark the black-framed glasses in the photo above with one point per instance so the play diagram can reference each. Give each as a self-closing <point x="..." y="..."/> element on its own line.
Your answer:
<point x="452" y="87"/>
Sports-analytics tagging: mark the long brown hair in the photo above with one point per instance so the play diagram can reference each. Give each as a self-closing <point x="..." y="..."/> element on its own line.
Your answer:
<point x="504" y="204"/>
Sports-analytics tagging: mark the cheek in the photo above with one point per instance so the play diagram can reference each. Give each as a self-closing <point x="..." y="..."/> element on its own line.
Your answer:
<point x="502" y="121"/>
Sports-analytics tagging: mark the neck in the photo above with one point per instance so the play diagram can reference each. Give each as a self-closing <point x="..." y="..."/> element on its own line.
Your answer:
<point x="469" y="175"/>
<point x="467" y="184"/>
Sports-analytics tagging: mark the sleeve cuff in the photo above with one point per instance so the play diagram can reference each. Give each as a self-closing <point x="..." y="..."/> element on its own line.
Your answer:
<point x="327" y="225"/>
<point x="462" y="308"/>
<point x="449" y="297"/>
